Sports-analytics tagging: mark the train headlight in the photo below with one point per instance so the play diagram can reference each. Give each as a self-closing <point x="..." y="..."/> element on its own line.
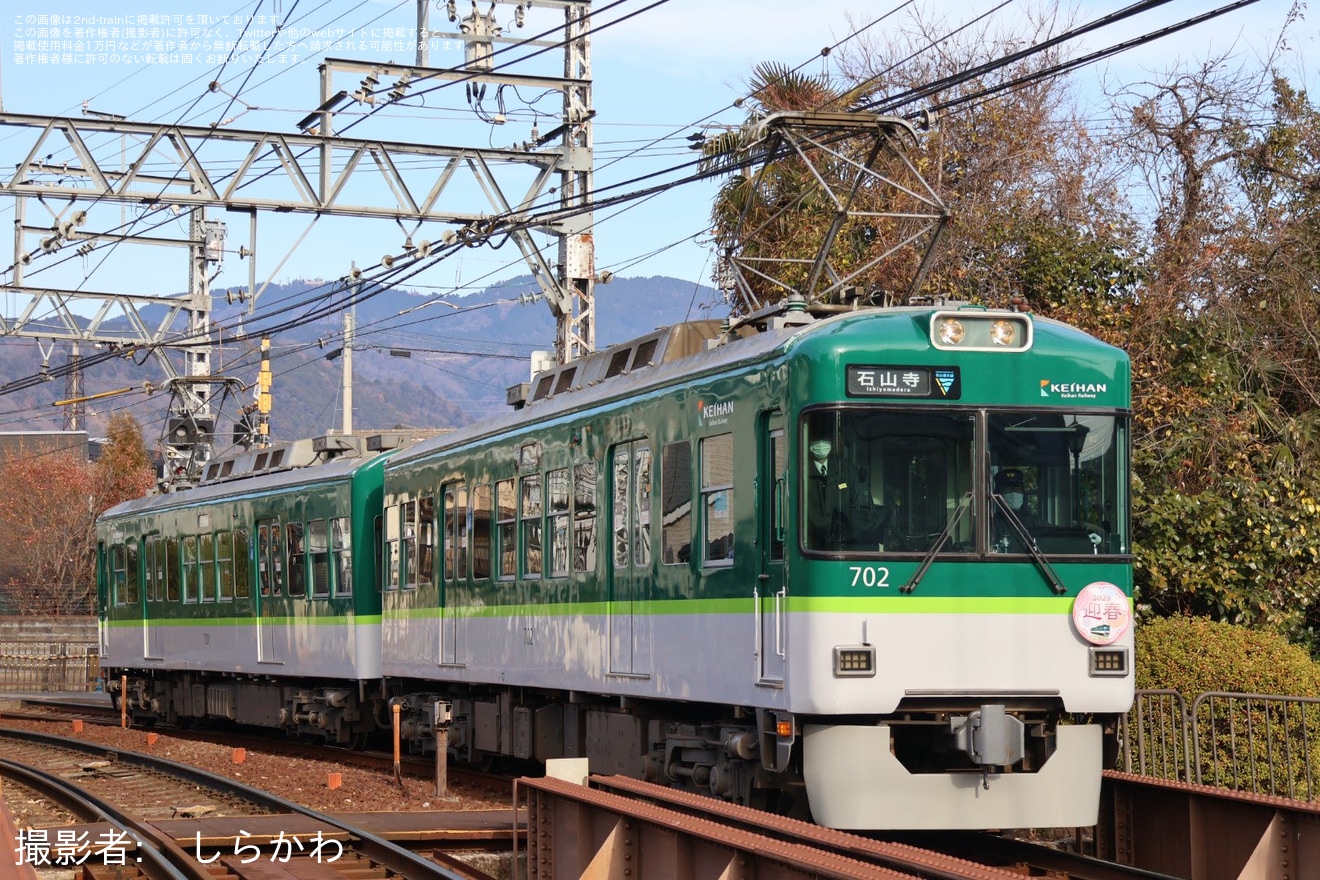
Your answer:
<point x="1003" y="332"/>
<point x="854" y="661"/>
<point x="1109" y="661"/>
<point x="951" y="331"/>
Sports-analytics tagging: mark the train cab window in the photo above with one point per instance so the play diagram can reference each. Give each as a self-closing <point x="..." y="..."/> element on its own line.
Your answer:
<point x="481" y="532"/>
<point x="224" y="566"/>
<point x="676" y="503"/>
<point x="1060" y="475"/>
<point x="390" y="569"/>
<point x="242" y="564"/>
<point x="318" y="558"/>
<point x="206" y="568"/>
<point x="188" y="569"/>
<point x="173" y="572"/>
<point x="531" y="506"/>
<point x="408" y="544"/>
<point x="883" y="481"/>
<point x="717" y="499"/>
<point x="425" y="541"/>
<point x="584" y="516"/>
<point x="557" y="519"/>
<point x="506" y="518"/>
<point x="297" y="570"/>
<point x="341" y="551"/>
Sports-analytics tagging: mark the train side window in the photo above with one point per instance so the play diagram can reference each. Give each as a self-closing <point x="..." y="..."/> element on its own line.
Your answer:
<point x="224" y="565"/>
<point x="173" y="580"/>
<point x="341" y="547"/>
<point x="506" y="513"/>
<point x="676" y="503"/>
<point x="717" y="498"/>
<point x="263" y="559"/>
<point x="206" y="568"/>
<point x="188" y="570"/>
<point x="481" y="532"/>
<point x="293" y="539"/>
<point x="461" y="534"/>
<point x="318" y="558"/>
<point x="778" y="473"/>
<point x="557" y="497"/>
<point x="160" y="565"/>
<point x="132" y="569"/>
<point x="149" y="567"/>
<point x="117" y="574"/>
<point x="584" y="516"/>
<point x="390" y="569"/>
<point x="531" y="507"/>
<point x="242" y="564"/>
<point x="408" y="542"/>
<point x="425" y="541"/>
<point x="276" y="560"/>
<point x="642" y="507"/>
<point x="451" y="542"/>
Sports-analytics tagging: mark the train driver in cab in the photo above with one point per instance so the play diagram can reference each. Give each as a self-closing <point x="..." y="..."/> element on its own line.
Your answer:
<point x="1010" y="485"/>
<point x="826" y="491"/>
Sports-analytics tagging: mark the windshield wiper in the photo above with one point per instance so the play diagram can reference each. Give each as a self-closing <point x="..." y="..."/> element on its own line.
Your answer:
<point x="943" y="538"/>
<point x="1029" y="542"/>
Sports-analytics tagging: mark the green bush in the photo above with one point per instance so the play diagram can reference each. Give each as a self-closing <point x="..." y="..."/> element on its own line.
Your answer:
<point x="1269" y="746"/>
<point x="1194" y="655"/>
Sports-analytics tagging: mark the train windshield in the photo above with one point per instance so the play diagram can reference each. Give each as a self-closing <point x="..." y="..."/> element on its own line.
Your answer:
<point x="886" y="481"/>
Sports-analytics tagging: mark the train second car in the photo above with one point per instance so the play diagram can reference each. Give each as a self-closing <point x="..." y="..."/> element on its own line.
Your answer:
<point x="870" y="564"/>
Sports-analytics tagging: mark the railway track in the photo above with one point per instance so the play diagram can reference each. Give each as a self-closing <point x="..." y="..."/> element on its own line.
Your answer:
<point x="125" y="832"/>
<point x="934" y="856"/>
<point x="411" y="765"/>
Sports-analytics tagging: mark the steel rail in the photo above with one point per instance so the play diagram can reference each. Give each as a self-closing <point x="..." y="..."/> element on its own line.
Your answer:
<point x="381" y="851"/>
<point x="163" y="857"/>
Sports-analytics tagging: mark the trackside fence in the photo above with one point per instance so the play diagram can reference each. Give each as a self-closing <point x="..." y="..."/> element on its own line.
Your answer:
<point x="1261" y="743"/>
<point x="48" y="666"/>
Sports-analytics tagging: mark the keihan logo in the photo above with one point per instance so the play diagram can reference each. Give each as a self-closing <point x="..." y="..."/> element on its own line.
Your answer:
<point x="714" y="413"/>
<point x="1072" y="390"/>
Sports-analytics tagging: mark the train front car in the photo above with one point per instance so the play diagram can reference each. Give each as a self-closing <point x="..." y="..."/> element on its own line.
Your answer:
<point x="250" y="598"/>
<point x="958" y="591"/>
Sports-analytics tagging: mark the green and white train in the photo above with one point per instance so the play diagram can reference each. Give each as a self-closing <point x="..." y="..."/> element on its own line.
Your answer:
<point x="871" y="562"/>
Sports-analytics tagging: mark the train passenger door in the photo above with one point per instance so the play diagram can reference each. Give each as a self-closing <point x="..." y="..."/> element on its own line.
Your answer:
<point x="453" y="580"/>
<point x="770" y="595"/>
<point x="630" y="559"/>
<point x="153" y="576"/>
<point x="270" y="590"/>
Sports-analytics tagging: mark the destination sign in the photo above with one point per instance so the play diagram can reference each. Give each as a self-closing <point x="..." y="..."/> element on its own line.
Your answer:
<point x="889" y="380"/>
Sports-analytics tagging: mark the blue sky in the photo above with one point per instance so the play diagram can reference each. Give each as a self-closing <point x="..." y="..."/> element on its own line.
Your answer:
<point x="664" y="72"/>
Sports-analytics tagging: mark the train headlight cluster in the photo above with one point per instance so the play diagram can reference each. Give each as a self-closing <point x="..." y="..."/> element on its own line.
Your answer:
<point x="973" y="330"/>
<point x="854" y="661"/>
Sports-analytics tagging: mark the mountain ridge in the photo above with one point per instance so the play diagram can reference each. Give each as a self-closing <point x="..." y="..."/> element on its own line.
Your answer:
<point x="419" y="360"/>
